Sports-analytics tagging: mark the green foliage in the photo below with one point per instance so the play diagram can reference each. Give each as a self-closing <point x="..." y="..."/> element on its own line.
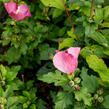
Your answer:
<point x="99" y="66"/>
<point x="83" y="95"/>
<point x="68" y="42"/>
<point x="53" y="3"/>
<point x="100" y="38"/>
<point x="40" y="104"/>
<point x="98" y="15"/>
<point x="106" y="101"/>
<point x="90" y="82"/>
<point x="106" y="12"/>
<point x="27" y="48"/>
<point x="93" y="50"/>
<point x="63" y="99"/>
<point x="57" y="78"/>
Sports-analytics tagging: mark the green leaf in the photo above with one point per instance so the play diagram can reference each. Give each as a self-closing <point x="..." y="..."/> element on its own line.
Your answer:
<point x="100" y="38"/>
<point x="106" y="52"/>
<point x="24" y="48"/>
<point x="12" y="73"/>
<point x="79" y="105"/>
<point x="57" y="13"/>
<point x="54" y="3"/>
<point x="96" y="64"/>
<point x="83" y="95"/>
<point x="10" y="88"/>
<point x="106" y="102"/>
<point x="22" y="99"/>
<point x="3" y="70"/>
<point x="12" y="55"/>
<point x="98" y="15"/>
<point x="98" y="2"/>
<point x="106" y="2"/>
<point x="27" y="94"/>
<point x="33" y="106"/>
<point x="102" y="83"/>
<point x="105" y="24"/>
<point x="55" y="78"/>
<point x="48" y="67"/>
<point x="105" y="32"/>
<point x="61" y="31"/>
<point x="90" y="82"/>
<point x="99" y="66"/>
<point x="1" y="91"/>
<point x="106" y="12"/>
<point x="89" y="28"/>
<point x="71" y="33"/>
<point x="92" y="50"/>
<point x="40" y="104"/>
<point x="86" y="10"/>
<point x="29" y="84"/>
<point x="68" y="42"/>
<point x="63" y="100"/>
<point x="12" y="102"/>
<point x="53" y="95"/>
<point x="44" y="51"/>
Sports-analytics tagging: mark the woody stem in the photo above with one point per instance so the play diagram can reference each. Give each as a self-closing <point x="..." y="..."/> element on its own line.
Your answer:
<point x="92" y="9"/>
<point x="69" y="17"/>
<point x="68" y="14"/>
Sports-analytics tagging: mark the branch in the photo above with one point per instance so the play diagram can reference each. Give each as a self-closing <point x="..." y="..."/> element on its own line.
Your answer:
<point x="69" y="18"/>
<point x="68" y="14"/>
<point x="92" y="9"/>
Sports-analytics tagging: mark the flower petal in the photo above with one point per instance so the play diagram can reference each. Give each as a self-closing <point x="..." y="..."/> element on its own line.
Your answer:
<point x="65" y="62"/>
<point x="11" y="7"/>
<point x="17" y="12"/>
<point x="74" y="51"/>
<point x="22" y="12"/>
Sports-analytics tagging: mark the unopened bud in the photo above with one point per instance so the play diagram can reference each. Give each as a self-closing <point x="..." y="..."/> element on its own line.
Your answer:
<point x="13" y="23"/>
<point x="2" y="83"/>
<point x="95" y="96"/>
<point x="77" y="88"/>
<point x="98" y="6"/>
<point x="71" y="83"/>
<point x="77" y="80"/>
<point x="100" y="99"/>
<point x="2" y="106"/>
<point x="2" y="100"/>
<point x="100" y="91"/>
<point x="4" y="78"/>
<point x="90" y="20"/>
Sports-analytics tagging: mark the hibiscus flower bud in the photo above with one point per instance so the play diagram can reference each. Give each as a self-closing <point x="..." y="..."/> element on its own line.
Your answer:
<point x="1" y="106"/>
<point x="100" y="99"/>
<point x="2" y="100"/>
<point x="95" y="96"/>
<point x="2" y="83"/>
<point x="100" y="91"/>
<point x="77" y="80"/>
<point x="67" y="61"/>
<point x="71" y="83"/>
<point x="17" y="12"/>
<point x="77" y="88"/>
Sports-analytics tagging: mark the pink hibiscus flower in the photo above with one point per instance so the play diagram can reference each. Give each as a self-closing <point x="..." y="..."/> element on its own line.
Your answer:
<point x="17" y="12"/>
<point x="67" y="61"/>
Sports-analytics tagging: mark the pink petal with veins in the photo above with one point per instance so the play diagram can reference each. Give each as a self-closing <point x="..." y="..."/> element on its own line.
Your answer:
<point x="11" y="7"/>
<point x="65" y="62"/>
<point x="74" y="51"/>
<point x="17" y="12"/>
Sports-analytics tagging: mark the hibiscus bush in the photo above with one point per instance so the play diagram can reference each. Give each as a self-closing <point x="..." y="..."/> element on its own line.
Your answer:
<point x="54" y="54"/>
